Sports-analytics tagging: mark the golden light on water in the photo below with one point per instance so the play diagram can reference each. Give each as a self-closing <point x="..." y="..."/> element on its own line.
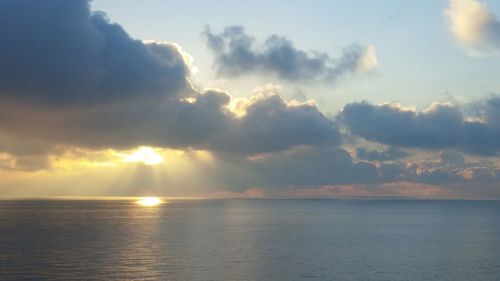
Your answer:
<point x="149" y="201"/>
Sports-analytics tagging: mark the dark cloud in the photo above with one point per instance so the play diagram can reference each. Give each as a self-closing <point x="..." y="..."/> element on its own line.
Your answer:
<point x="395" y="126"/>
<point x="236" y="53"/>
<point x="448" y="170"/>
<point x="452" y="159"/>
<point x="59" y="52"/>
<point x="24" y="154"/>
<point x="68" y="76"/>
<point x="440" y="126"/>
<point x="270" y="124"/>
<point x="393" y="172"/>
<point x="70" y="79"/>
<point x="329" y="166"/>
<point x="436" y="176"/>
<point x="297" y="167"/>
<point x="392" y="153"/>
<point x="315" y="167"/>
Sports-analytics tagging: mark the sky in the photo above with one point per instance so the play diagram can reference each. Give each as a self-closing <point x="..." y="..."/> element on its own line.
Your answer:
<point x="251" y="99"/>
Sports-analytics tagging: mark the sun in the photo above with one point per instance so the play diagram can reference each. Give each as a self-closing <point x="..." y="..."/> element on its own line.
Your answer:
<point x="145" y="155"/>
<point x="149" y="201"/>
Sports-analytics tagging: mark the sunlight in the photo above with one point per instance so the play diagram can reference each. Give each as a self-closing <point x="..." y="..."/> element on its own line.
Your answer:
<point x="149" y="201"/>
<point x="145" y="155"/>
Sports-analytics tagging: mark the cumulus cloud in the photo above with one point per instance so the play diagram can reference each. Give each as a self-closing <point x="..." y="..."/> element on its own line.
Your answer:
<point x="391" y="124"/>
<point x="236" y="53"/>
<point x="474" y="26"/>
<point x="271" y="124"/>
<point x="59" y="52"/>
<point x="69" y="76"/>
<point x="441" y="126"/>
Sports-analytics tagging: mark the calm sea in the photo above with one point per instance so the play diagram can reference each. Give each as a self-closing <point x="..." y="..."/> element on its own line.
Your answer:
<point x="250" y="240"/>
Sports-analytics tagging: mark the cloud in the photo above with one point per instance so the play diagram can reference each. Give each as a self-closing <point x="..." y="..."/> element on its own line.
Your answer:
<point x="11" y="162"/>
<point x="235" y="53"/>
<point x="206" y="122"/>
<point x="474" y="26"/>
<point x="271" y="124"/>
<point x="452" y="159"/>
<point x="393" y="125"/>
<point x="70" y="77"/>
<point x="368" y="61"/>
<point x="392" y="153"/>
<point x="439" y="127"/>
<point x="452" y="168"/>
<point x="74" y="86"/>
<point x="398" y="190"/>
<point x="314" y="166"/>
<point x="24" y="154"/>
<point x="60" y="53"/>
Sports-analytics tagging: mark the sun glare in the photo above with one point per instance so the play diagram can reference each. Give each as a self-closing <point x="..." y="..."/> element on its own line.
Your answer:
<point x="149" y="201"/>
<point x="146" y="155"/>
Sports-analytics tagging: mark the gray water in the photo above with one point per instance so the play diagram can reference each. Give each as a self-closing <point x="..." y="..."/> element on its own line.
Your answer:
<point x="250" y="240"/>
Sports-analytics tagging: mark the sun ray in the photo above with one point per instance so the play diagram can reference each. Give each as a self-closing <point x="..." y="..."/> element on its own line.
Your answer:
<point x="145" y="155"/>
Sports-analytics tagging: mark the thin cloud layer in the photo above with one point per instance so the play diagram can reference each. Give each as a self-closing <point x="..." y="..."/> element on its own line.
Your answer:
<point x="236" y="53"/>
<point x="474" y="26"/>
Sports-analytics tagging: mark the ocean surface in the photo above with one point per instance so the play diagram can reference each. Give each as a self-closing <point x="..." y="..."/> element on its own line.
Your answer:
<point x="250" y="240"/>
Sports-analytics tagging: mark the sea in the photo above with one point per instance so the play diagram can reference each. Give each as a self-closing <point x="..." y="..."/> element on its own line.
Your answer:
<point x="244" y="239"/>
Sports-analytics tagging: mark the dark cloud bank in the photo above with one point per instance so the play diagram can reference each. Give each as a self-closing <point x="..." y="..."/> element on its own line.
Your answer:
<point x="441" y="126"/>
<point x="69" y="75"/>
<point x="391" y="153"/>
<point x="71" y="78"/>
